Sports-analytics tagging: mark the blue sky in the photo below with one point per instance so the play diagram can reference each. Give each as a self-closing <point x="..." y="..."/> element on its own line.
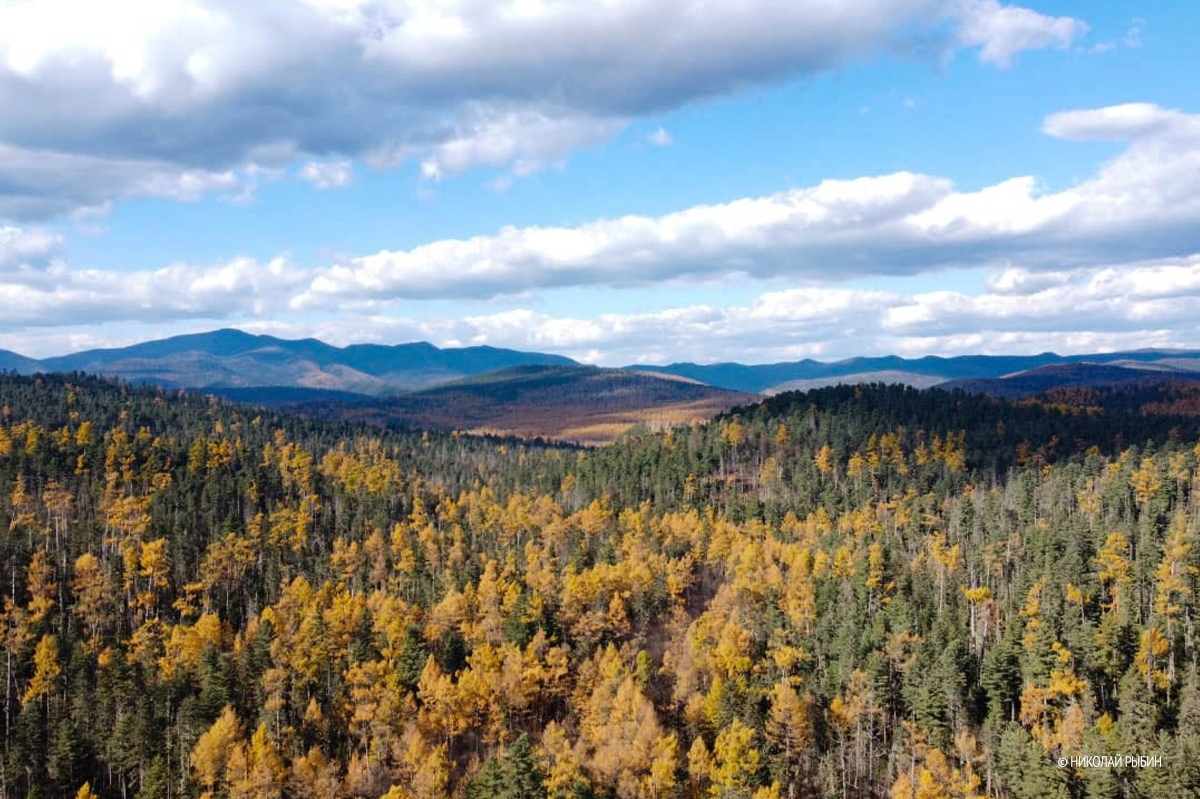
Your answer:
<point x="621" y="182"/>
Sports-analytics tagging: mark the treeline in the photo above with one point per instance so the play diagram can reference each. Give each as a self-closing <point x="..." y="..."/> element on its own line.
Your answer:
<point x="852" y="592"/>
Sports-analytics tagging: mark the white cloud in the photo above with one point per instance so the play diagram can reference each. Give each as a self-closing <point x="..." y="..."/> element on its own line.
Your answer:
<point x="60" y="296"/>
<point x="24" y="248"/>
<point x="1111" y="259"/>
<point x="206" y="87"/>
<point x="527" y="141"/>
<point x="1143" y="204"/>
<point x="1002" y="31"/>
<point x="1118" y="306"/>
<point x="1125" y="306"/>
<point x="328" y="174"/>
<point x="747" y="236"/>
<point x="1119" y="123"/>
<point x="1109" y="299"/>
<point x="39" y="183"/>
<point x="1020" y="282"/>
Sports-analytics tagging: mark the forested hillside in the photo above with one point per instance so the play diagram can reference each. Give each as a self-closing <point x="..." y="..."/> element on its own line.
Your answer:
<point x="577" y="404"/>
<point x="854" y="592"/>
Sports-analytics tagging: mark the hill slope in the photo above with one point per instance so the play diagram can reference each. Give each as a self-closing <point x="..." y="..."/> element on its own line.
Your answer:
<point x="14" y="362"/>
<point x="1071" y="375"/>
<point x="582" y="404"/>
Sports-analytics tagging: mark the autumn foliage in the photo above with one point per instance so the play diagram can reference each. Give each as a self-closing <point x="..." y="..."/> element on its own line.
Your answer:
<point x="850" y="593"/>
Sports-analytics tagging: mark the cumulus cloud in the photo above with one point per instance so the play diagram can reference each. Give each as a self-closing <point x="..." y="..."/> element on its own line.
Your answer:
<point x="206" y="87"/>
<point x="1114" y="306"/>
<point x="1121" y="306"/>
<point x="1124" y="306"/>
<point x="528" y="141"/>
<point x="38" y="183"/>
<point x="1143" y="204"/>
<point x="1113" y="299"/>
<point x="1118" y="251"/>
<point x="60" y="296"/>
<point x="1118" y="123"/>
<point x="1000" y="31"/>
<point x="747" y="236"/>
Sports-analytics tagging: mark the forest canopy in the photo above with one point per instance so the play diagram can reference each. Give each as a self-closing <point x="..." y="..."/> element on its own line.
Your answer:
<point x="855" y="591"/>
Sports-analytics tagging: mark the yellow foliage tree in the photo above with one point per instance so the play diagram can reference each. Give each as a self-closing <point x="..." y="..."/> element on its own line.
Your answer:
<point x="1146" y="481"/>
<point x="212" y="752"/>
<point x="46" y="670"/>
<point x="1115" y="569"/>
<point x="789" y="729"/>
<point x="93" y="594"/>
<point x="1149" y="658"/>
<point x="735" y="762"/>
<point x="255" y="770"/>
<point x="699" y="766"/>
<point x="313" y="776"/>
<point x="39" y="579"/>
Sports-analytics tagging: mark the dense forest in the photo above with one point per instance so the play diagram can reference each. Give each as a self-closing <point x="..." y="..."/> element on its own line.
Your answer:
<point x="853" y="592"/>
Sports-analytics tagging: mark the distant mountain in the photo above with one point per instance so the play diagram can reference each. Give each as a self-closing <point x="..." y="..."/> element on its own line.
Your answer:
<point x="583" y="404"/>
<point x="228" y="359"/>
<point x="776" y="377"/>
<point x="279" y="371"/>
<point x="12" y="362"/>
<point x="1073" y="375"/>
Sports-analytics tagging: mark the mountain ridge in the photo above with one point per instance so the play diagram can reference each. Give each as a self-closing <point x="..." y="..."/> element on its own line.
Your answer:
<point x="230" y="359"/>
<point x="773" y="377"/>
<point x="233" y="359"/>
<point x="1070" y="375"/>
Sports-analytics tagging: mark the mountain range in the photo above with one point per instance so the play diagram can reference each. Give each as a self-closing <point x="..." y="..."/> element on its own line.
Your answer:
<point x="925" y="372"/>
<point x="232" y="359"/>
<point x="238" y="363"/>
<point x="532" y="394"/>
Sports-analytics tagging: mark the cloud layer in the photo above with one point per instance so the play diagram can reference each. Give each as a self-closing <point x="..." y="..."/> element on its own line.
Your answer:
<point x="173" y="97"/>
<point x="1143" y="204"/>
<point x="1113" y="261"/>
<point x="1129" y="305"/>
<point x="1125" y="306"/>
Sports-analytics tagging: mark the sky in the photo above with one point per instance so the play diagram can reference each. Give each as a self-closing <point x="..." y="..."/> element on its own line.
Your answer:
<point x="619" y="181"/>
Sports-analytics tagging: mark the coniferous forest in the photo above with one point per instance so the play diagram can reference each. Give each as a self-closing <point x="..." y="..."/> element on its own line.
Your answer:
<point x="852" y="592"/>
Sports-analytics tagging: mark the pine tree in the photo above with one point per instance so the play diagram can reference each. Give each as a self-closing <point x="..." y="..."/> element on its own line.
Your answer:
<point x="1185" y="764"/>
<point x="68" y="757"/>
<point x="523" y="774"/>
<point x="489" y="783"/>
<point x="155" y="780"/>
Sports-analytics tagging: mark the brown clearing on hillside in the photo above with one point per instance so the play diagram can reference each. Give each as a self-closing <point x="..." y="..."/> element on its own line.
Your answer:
<point x="598" y="427"/>
<point x="584" y="406"/>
